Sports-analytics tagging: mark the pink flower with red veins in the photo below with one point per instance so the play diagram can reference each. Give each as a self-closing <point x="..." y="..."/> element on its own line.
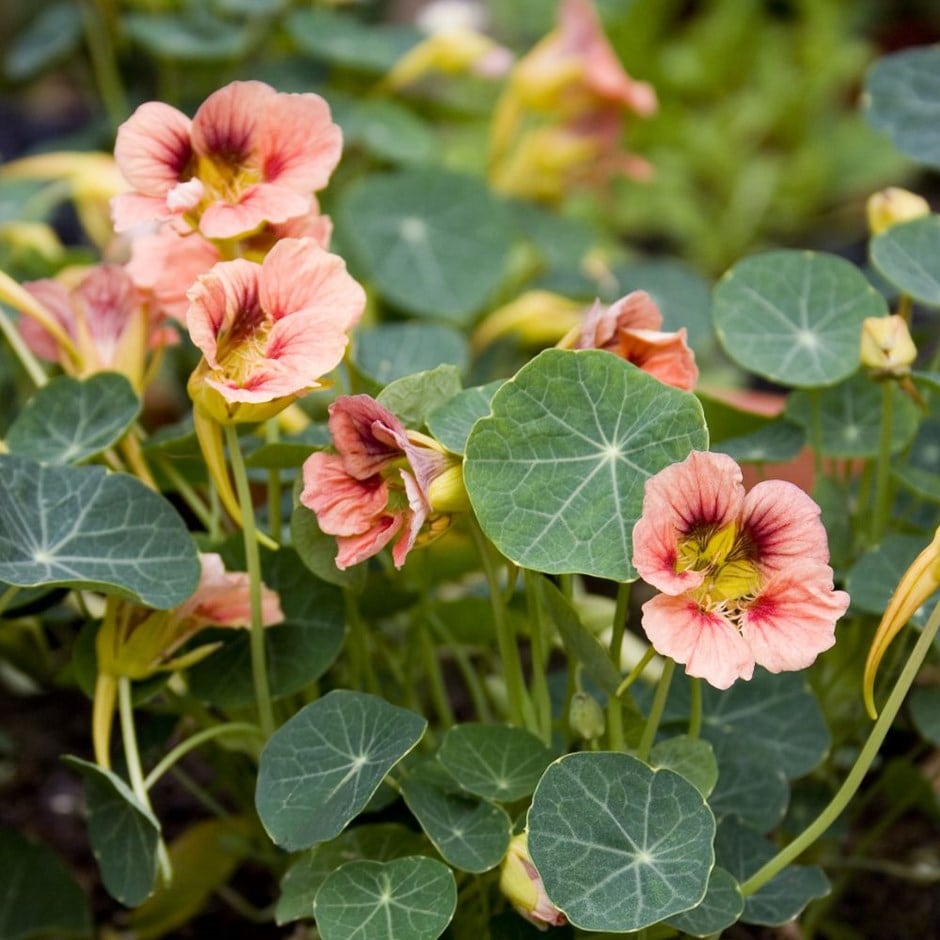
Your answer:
<point x="632" y="329"/>
<point x="384" y="481"/>
<point x="745" y="576"/>
<point x="269" y="332"/>
<point x="250" y="155"/>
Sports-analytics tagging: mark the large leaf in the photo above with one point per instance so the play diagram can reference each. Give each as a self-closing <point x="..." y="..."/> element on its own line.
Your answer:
<point x="556" y="472"/>
<point x="319" y="770"/>
<point x="795" y="317"/>
<point x="920" y="471"/>
<point x="431" y="241"/>
<point x="394" y="350"/>
<point x="69" y="420"/>
<point x="83" y="527"/>
<point x="497" y="762"/>
<point x="123" y="833"/>
<point x="405" y="899"/>
<point x="750" y="786"/>
<point x="412" y="397"/>
<point x="902" y="98"/>
<point x="38" y="897"/>
<point x="907" y="256"/>
<point x="618" y="845"/>
<point x="689" y="757"/>
<point x="720" y="908"/>
<point x="470" y="834"/>
<point x="778" y="442"/>
<point x="452" y="422"/>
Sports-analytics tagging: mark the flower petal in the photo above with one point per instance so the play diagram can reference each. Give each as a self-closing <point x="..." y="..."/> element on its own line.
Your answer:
<point x="352" y="423"/>
<point x="225" y="128"/>
<point x="415" y="516"/>
<point x="706" y="642"/>
<point x="343" y="504"/>
<point x="153" y="148"/>
<point x="223" y="598"/>
<point x="665" y="356"/>
<point x="357" y="548"/>
<point x="793" y="618"/>
<point x="254" y="206"/>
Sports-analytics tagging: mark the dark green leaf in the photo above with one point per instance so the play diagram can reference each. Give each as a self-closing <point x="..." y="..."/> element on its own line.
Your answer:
<point x="452" y="422"/>
<point x="54" y="33"/>
<point x="720" y="908"/>
<point x="394" y="350"/>
<point x="413" y="397"/>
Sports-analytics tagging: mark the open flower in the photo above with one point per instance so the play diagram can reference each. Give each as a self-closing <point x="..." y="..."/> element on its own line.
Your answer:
<point x="104" y="318"/>
<point x="269" y="332"/>
<point x="384" y="482"/>
<point x="631" y="328"/>
<point x="250" y="155"/>
<point x="745" y="577"/>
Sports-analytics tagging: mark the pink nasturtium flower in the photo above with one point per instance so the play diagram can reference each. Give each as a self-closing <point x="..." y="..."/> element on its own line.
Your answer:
<point x="250" y="155"/>
<point x="269" y="332"/>
<point x="631" y="328"/>
<point x="384" y="481"/>
<point x="745" y="578"/>
<point x="105" y="318"/>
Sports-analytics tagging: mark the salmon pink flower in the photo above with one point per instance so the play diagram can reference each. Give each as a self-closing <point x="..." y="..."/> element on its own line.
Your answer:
<point x="250" y="155"/>
<point x="745" y="576"/>
<point x="384" y="481"/>
<point x="269" y="332"/>
<point x="631" y="328"/>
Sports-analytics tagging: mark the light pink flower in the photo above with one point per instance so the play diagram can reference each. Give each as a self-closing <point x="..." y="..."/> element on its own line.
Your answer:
<point x="378" y="485"/>
<point x="269" y="332"/>
<point x="631" y="328"/>
<point x="250" y="155"/>
<point x="104" y="316"/>
<point x="745" y="576"/>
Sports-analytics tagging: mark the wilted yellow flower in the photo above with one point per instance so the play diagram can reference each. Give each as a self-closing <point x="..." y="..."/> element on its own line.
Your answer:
<point x="458" y="51"/>
<point x="536" y="317"/>
<point x="893" y="205"/>
<point x="887" y="347"/>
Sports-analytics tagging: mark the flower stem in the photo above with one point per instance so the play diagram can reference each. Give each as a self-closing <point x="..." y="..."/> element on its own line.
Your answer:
<point x="656" y="711"/>
<point x="259" y="668"/>
<point x="541" y="696"/>
<point x="33" y="369"/>
<point x="695" y="713"/>
<point x="472" y="681"/>
<point x="107" y="76"/>
<point x="617" y="627"/>
<point x="859" y="769"/>
<point x="882" y="507"/>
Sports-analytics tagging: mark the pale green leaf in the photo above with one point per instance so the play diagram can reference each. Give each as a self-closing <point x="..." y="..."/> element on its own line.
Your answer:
<point x="691" y="758"/>
<point x="907" y="254"/>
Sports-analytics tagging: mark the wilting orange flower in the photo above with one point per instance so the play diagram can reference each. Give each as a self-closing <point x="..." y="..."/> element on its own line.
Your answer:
<point x="745" y="577"/>
<point x="384" y="481"/>
<point x="250" y="155"/>
<point x="631" y="328"/>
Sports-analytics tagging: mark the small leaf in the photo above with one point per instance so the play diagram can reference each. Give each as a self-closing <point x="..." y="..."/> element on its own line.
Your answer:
<point x="556" y="473"/>
<point x="795" y="317"/>
<point x="906" y="255"/>
<point x="394" y="350"/>
<point x="496" y="762"/>
<point x="779" y="442"/>
<point x="379" y="842"/>
<point x="452" y="422"/>
<point x="405" y="899"/>
<point x="920" y="471"/>
<point x="720" y="908"/>
<point x="39" y="896"/>
<point x="470" y="834"/>
<point x="750" y="787"/>
<point x="387" y="130"/>
<point x="69" y="420"/>
<point x="691" y="758"/>
<point x="432" y="242"/>
<point x="319" y="769"/>
<point x="52" y="34"/>
<point x="123" y="834"/>
<point x="317" y="550"/>
<point x="902" y="98"/>
<point x="413" y="397"/>
<point x="638" y="849"/>
<point x="82" y="527"/>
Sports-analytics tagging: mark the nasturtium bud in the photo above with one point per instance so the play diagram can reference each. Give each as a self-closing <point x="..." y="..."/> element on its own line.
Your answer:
<point x="887" y="347"/>
<point x="893" y="205"/>
<point x="585" y="716"/>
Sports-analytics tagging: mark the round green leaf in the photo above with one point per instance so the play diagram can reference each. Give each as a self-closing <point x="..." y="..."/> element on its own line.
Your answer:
<point x="902" y="98"/>
<point x="750" y="786"/>
<point x="405" y="899"/>
<point x="452" y="422"/>
<point x="395" y="350"/>
<point x="720" y="908"/>
<point x="497" y="762"/>
<point x="470" y="834"/>
<point x="907" y="256"/>
<point x="618" y="845"/>
<point x="39" y="896"/>
<point x="795" y="317"/>
<point x="691" y="758"/>
<point x="69" y="419"/>
<point x="556" y="473"/>
<point x="413" y="397"/>
<point x="83" y="527"/>
<point x="778" y="442"/>
<point x="319" y="769"/>
<point x="299" y="650"/>
<point x="431" y="242"/>
<point x="379" y="842"/>
<point x="920" y="471"/>
<point x="875" y="575"/>
<point x="387" y="130"/>
<point x="123" y="833"/>
<point x="850" y="418"/>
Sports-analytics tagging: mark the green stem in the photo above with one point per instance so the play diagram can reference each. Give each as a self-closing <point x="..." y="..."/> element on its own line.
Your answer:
<point x="359" y="645"/>
<point x="469" y="675"/>
<point x="107" y="76"/>
<point x="259" y="668"/>
<point x="432" y="668"/>
<point x="275" y="521"/>
<point x="192" y="499"/>
<point x="194" y="741"/>
<point x="815" y="397"/>
<point x="656" y="711"/>
<point x="8" y="596"/>
<point x="882" y="507"/>
<point x="636" y="672"/>
<point x="614" y="710"/>
<point x="33" y="369"/>
<point x="541" y="696"/>
<point x="521" y="711"/>
<point x="695" y="714"/>
<point x="859" y="769"/>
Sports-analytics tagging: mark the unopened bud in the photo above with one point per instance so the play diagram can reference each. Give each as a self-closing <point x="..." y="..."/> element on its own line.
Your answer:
<point x="887" y="346"/>
<point x="585" y="716"/>
<point x="893" y="205"/>
<point x="520" y="881"/>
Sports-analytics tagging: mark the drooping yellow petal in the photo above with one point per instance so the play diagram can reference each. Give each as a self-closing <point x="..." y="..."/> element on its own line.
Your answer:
<point x="916" y="585"/>
<point x="536" y="317"/>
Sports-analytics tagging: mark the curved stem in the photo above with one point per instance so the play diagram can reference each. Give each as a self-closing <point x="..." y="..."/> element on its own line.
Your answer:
<point x="102" y="718"/>
<point x="656" y="711"/>
<point x="882" y="507"/>
<point x="194" y="741"/>
<point x="695" y="714"/>
<point x="636" y="672"/>
<point x="541" y="696"/>
<point x="617" y="628"/>
<point x="33" y="369"/>
<point x="859" y="769"/>
<point x="259" y="667"/>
